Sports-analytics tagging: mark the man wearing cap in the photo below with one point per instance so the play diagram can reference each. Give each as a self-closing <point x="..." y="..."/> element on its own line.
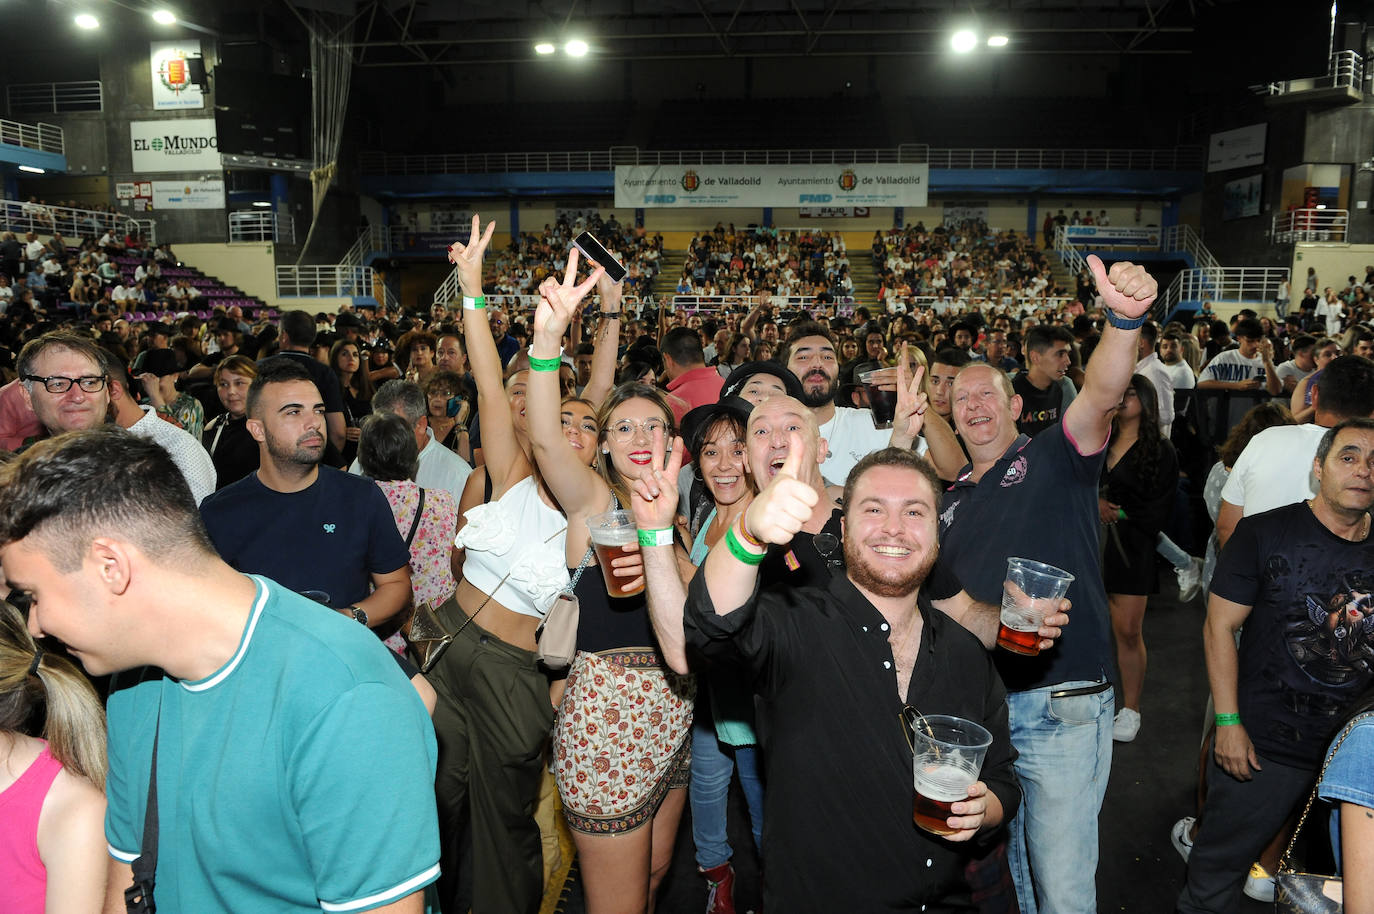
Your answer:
<point x="349" y="326"/>
<point x="227" y="336"/>
<point x="159" y="336"/>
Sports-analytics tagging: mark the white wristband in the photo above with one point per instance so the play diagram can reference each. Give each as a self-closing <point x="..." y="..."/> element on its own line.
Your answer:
<point x="656" y="537"/>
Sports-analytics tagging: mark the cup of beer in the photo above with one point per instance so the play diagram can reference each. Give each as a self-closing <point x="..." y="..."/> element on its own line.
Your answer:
<point x="882" y="400"/>
<point x="1031" y="589"/>
<point x="612" y="533"/>
<point x="949" y="754"/>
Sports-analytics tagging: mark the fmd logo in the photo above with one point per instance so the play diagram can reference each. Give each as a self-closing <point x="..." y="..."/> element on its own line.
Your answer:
<point x="816" y="198"/>
<point x="660" y="198"/>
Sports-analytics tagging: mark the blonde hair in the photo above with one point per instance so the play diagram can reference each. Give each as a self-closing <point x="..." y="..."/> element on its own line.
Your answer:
<point x="74" y="723"/>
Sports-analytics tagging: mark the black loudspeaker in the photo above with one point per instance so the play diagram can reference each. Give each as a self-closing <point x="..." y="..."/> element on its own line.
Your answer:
<point x="195" y="71"/>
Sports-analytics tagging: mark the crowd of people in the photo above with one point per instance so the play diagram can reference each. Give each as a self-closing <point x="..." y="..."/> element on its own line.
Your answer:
<point x="761" y="260"/>
<point x="532" y="256"/>
<point x="329" y="562"/>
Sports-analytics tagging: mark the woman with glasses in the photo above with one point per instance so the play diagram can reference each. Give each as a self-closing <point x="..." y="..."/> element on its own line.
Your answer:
<point x="623" y="739"/>
<point x="447" y="409"/>
<point x="495" y="705"/>
<point x="234" y="451"/>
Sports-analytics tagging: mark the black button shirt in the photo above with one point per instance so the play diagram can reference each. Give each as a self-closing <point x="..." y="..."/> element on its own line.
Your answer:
<point x="838" y="809"/>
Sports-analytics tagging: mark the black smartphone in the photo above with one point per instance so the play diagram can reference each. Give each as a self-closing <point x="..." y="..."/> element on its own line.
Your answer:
<point x="590" y="247"/>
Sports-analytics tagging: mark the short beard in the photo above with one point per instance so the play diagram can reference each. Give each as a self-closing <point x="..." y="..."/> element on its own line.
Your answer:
<point x="822" y="397"/>
<point x="284" y="454"/>
<point x="864" y="577"/>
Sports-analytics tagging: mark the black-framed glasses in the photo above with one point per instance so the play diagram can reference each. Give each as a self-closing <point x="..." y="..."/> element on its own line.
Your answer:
<point x="57" y="384"/>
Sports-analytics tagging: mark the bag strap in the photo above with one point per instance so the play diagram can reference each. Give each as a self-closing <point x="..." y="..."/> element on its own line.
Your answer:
<point x="415" y="524"/>
<point x="139" y="896"/>
<point x="1285" y="861"/>
<point x="587" y="556"/>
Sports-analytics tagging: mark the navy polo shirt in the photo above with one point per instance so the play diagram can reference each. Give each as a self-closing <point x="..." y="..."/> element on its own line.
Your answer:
<point x="1039" y="501"/>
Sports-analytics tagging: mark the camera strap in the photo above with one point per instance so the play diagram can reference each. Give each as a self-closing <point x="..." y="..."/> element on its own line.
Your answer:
<point x="138" y="898"/>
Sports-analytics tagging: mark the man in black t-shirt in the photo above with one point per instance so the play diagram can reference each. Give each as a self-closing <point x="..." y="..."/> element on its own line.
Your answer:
<point x="297" y="333"/>
<point x="1300" y="580"/>
<point x="1044" y="390"/>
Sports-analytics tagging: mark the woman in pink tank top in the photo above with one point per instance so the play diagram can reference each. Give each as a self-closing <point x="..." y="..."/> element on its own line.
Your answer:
<point x="52" y="805"/>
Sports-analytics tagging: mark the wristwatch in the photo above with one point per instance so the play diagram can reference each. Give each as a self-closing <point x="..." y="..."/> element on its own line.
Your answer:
<point x="358" y="613"/>
<point x="1126" y="323"/>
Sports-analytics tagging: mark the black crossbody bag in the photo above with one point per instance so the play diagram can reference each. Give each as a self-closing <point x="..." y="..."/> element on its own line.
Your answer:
<point x="138" y="898"/>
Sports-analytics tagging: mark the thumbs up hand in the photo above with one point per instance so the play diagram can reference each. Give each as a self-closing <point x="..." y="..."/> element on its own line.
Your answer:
<point x="1128" y="289"/>
<point x="778" y="512"/>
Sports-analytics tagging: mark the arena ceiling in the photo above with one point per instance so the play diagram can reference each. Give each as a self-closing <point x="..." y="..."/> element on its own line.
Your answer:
<point x="443" y="33"/>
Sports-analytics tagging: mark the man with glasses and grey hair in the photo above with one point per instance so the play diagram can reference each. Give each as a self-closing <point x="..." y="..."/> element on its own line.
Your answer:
<point x="64" y="382"/>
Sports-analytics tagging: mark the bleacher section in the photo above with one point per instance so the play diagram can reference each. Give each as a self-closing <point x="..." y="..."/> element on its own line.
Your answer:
<point x="214" y="293"/>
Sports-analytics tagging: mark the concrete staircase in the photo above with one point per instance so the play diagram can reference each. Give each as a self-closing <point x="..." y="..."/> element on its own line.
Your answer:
<point x="865" y="279"/>
<point x="670" y="264"/>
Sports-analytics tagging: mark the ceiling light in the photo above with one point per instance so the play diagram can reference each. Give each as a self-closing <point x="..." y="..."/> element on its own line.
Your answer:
<point x="963" y="41"/>
<point x="87" y="21"/>
<point x="997" y="41"/>
<point x="544" y="47"/>
<point x="261" y="203"/>
<point x="575" y="48"/>
<point x="164" y="17"/>
<point x="33" y="170"/>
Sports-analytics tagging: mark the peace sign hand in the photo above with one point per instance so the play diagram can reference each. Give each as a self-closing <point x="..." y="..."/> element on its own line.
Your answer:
<point x="558" y="301"/>
<point x="468" y="257"/>
<point x="912" y="401"/>
<point x="1128" y="289"/>
<point x="653" y="496"/>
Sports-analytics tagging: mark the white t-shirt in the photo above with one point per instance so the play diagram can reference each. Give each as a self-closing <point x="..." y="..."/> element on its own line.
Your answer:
<point x="851" y="437"/>
<point x="1275" y="469"/>
<point x="1230" y="365"/>
<point x="1290" y="369"/>
<point x="1181" y="374"/>
<point x="1151" y="367"/>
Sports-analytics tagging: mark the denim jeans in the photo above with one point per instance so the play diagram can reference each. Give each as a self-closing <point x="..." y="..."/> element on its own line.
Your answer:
<point x="1065" y="747"/>
<point x="712" y="765"/>
<point x="1172" y="553"/>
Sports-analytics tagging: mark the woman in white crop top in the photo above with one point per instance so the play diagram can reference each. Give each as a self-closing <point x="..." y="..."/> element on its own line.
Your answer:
<point x="495" y="705"/>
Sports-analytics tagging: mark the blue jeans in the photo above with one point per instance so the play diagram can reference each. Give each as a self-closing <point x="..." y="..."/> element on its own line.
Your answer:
<point x="712" y="765"/>
<point x="1065" y="747"/>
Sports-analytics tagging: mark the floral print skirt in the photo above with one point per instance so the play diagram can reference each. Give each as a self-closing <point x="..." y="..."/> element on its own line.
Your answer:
<point x="623" y="739"/>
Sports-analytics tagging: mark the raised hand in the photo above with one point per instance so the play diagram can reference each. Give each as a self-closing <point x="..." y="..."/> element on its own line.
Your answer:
<point x="912" y="401"/>
<point x="558" y="301"/>
<point x="468" y="257"/>
<point x="1128" y="289"/>
<point x="610" y="293"/>
<point x="779" y="511"/>
<point x="653" y="496"/>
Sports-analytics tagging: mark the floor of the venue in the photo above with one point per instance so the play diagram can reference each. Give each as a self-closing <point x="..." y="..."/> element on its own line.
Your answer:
<point x="1152" y="785"/>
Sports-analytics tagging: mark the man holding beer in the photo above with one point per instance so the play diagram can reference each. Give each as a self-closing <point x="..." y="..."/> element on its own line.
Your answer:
<point x="841" y="796"/>
<point x="1036" y="499"/>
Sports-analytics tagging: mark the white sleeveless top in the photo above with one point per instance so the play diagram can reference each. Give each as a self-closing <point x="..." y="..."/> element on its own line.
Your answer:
<point x="521" y="539"/>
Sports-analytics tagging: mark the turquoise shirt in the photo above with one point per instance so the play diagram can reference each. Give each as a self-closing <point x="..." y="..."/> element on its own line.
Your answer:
<point x="298" y="777"/>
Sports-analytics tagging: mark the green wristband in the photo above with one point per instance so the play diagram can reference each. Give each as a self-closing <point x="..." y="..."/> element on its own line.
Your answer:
<point x="1120" y="513"/>
<point x="1227" y="720"/>
<point x="475" y="304"/>
<point x="662" y="537"/>
<point x="739" y="552"/>
<point x="544" y="364"/>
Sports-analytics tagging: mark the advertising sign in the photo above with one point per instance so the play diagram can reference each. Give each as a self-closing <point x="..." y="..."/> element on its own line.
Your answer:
<point x="1091" y="235"/>
<point x="172" y="86"/>
<point x="1236" y="148"/>
<point x="674" y="186"/>
<point x="194" y="194"/>
<point x="175" y="144"/>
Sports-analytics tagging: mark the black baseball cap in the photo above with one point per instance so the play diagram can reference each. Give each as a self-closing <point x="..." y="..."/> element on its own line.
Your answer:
<point x="696" y="423"/>
<point x="741" y="375"/>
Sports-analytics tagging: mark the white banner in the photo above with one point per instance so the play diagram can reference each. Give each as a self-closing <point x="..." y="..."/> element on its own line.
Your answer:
<point x="172" y="86"/>
<point x="175" y="144"/>
<point x="1236" y="148"/>
<point x="651" y="186"/>
<point x="207" y="194"/>
<point x="833" y="212"/>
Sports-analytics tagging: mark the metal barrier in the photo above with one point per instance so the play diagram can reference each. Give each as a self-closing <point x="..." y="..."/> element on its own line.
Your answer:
<point x="55" y="98"/>
<point x="325" y="281"/>
<point x="1310" y="225"/>
<point x="1223" y="284"/>
<point x="1183" y="158"/>
<point x="1345" y="70"/>
<point x="1186" y="239"/>
<point x="40" y="136"/>
<point x="42" y="219"/>
<point x="147" y="229"/>
<point x="261" y="225"/>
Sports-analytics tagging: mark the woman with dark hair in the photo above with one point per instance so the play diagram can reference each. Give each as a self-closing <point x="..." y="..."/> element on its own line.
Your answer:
<point x="232" y="449"/>
<point x="736" y="354"/>
<point x="448" y="412"/>
<point x="347" y="361"/>
<point x="52" y="828"/>
<point x="622" y="796"/>
<point x="415" y="352"/>
<point x="1139" y="479"/>
<point x="381" y="363"/>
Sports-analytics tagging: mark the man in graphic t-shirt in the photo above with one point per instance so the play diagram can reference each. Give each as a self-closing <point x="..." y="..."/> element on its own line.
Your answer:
<point x="1298" y="583"/>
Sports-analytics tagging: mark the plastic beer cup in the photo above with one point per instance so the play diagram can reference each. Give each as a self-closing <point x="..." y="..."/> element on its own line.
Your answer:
<point x="1031" y="587"/>
<point x="611" y="533"/>
<point x="948" y="757"/>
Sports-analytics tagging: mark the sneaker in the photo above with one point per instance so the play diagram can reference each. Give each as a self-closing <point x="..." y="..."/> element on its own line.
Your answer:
<point x="1180" y="835"/>
<point x="1125" y="725"/>
<point x="1259" y="885"/>
<point x="1189" y="579"/>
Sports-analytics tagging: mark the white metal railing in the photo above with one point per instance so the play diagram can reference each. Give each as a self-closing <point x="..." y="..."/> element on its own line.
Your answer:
<point x="1345" y="70"/>
<point x="40" y="136"/>
<point x="1310" y="225"/>
<point x="1073" y="260"/>
<point x="982" y="303"/>
<point x="325" y="281"/>
<point x="1186" y="239"/>
<point x="42" y="219"/>
<point x="1182" y="158"/>
<point x="147" y="229"/>
<point x="1224" y="284"/>
<point x="261" y="225"/>
<point x="55" y="98"/>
